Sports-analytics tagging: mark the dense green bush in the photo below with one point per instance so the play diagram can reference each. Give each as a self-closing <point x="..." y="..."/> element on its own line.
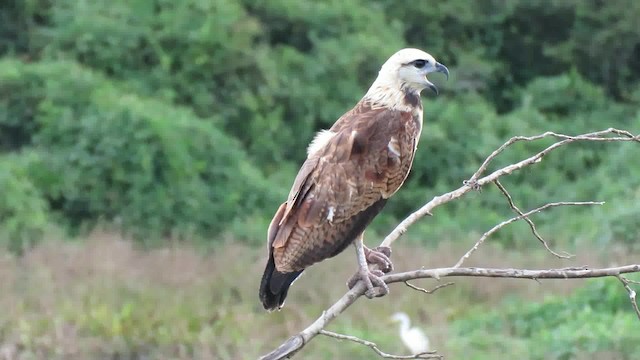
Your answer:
<point x="263" y="68"/>
<point x="117" y="156"/>
<point x="18" y="92"/>
<point x="597" y="318"/>
<point x="24" y="212"/>
<point x="256" y="79"/>
<point x="282" y="68"/>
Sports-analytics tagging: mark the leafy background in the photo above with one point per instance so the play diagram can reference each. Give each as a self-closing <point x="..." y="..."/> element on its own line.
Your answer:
<point x="141" y="129"/>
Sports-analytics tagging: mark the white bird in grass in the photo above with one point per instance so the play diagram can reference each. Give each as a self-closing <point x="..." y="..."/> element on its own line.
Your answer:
<point x="414" y="338"/>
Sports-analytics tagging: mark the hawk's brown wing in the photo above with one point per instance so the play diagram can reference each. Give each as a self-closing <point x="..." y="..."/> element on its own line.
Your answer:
<point x="342" y="186"/>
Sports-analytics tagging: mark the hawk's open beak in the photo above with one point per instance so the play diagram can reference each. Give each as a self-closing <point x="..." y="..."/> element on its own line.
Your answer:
<point x="442" y="69"/>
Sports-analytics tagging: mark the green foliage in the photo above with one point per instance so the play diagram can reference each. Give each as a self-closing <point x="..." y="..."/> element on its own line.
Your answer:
<point x="145" y="105"/>
<point x="24" y="212"/>
<point x="18" y="92"/>
<point x="250" y="65"/>
<point x="597" y="318"/>
<point x="117" y="156"/>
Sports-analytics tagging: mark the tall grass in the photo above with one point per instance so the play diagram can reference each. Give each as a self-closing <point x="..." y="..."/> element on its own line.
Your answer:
<point x="103" y="298"/>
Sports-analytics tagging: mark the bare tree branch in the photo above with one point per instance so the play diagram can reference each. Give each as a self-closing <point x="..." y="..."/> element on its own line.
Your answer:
<point x="594" y="136"/>
<point x="476" y="181"/>
<point x="298" y="341"/>
<point x="521" y="216"/>
<point x="374" y="347"/>
<point x="564" y="273"/>
<point x="425" y="290"/>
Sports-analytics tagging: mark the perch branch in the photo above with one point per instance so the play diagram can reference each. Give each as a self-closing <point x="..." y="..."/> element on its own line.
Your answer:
<point x="298" y="341"/>
<point x="563" y="273"/>
<point x="374" y="347"/>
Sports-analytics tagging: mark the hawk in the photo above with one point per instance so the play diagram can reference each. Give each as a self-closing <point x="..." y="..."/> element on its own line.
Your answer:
<point x="351" y="170"/>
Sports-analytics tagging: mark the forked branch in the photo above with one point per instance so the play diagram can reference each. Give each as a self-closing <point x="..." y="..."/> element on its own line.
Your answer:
<point x="525" y="216"/>
<point x="534" y="230"/>
<point x="477" y="180"/>
<point x="297" y="342"/>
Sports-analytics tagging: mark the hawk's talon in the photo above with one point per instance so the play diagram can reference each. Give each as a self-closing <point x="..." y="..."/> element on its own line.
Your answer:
<point x="379" y="256"/>
<point x="376" y="287"/>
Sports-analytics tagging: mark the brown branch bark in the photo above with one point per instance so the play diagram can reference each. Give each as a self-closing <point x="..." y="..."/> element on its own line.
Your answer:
<point x="477" y="180"/>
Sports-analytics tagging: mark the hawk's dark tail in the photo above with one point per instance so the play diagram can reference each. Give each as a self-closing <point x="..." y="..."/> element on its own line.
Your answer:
<point x="274" y="285"/>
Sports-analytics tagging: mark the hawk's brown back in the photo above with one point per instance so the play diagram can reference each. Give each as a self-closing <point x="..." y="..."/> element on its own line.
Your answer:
<point x="343" y="185"/>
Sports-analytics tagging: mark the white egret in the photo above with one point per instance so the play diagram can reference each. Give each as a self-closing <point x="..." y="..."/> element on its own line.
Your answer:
<point x="414" y="338"/>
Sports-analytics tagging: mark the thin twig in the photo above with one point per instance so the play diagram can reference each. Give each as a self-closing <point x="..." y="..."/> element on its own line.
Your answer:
<point x="513" y="206"/>
<point x="425" y="290"/>
<point x="522" y="216"/>
<point x="374" y="347"/>
<point x="632" y="294"/>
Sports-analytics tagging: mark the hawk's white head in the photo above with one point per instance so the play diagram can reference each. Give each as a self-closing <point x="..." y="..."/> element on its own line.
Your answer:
<point x="404" y="74"/>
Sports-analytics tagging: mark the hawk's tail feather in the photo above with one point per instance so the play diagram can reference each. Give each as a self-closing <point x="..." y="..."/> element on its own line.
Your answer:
<point x="275" y="285"/>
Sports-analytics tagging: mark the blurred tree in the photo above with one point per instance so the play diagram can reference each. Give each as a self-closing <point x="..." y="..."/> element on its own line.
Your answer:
<point x="196" y="96"/>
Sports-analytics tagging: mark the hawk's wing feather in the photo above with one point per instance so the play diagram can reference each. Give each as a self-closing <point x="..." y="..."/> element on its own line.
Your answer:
<point x="333" y="195"/>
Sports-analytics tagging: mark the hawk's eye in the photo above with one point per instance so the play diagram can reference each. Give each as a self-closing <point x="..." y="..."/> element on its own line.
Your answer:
<point x="419" y="63"/>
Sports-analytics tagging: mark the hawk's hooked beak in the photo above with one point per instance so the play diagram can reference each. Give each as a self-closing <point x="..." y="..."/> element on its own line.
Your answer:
<point x="443" y="69"/>
<point x="438" y="68"/>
